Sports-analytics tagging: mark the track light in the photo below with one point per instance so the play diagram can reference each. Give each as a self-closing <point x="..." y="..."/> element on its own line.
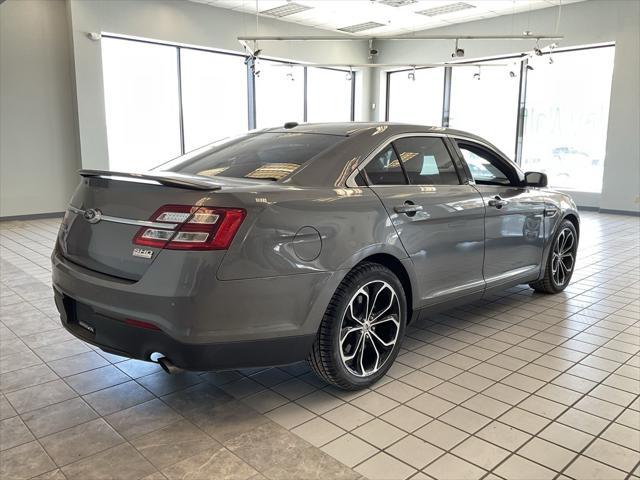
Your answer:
<point x="512" y="74"/>
<point x="477" y="74"/>
<point x="457" y="51"/>
<point x="350" y="74"/>
<point x="412" y="75"/>
<point x="529" y="67"/>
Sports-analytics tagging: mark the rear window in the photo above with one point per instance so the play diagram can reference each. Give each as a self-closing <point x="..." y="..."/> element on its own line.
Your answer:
<point x="263" y="156"/>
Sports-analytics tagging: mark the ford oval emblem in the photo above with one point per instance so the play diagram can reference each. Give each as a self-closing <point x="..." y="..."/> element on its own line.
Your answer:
<point x="93" y="215"/>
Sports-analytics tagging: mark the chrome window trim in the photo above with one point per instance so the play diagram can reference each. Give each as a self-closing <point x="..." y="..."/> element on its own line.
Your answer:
<point x="351" y="179"/>
<point x="128" y="221"/>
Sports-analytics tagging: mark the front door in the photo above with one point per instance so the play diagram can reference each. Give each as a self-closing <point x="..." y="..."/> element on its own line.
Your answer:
<point x="514" y="226"/>
<point x="440" y="220"/>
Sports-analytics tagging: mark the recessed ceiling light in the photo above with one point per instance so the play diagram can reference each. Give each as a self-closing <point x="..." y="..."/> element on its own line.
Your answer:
<point x="397" y="3"/>
<point x="289" y="8"/>
<point x="444" y="9"/>
<point x="361" y="27"/>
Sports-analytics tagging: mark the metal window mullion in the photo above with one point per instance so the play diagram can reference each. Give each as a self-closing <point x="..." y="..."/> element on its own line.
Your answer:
<point x="522" y="103"/>
<point x="180" y="107"/>
<point x="387" y="97"/>
<point x="306" y="91"/>
<point x="251" y="93"/>
<point x="446" y="97"/>
<point x="353" y="96"/>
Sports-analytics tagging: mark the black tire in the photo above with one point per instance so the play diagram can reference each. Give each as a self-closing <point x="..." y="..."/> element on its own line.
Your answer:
<point x="326" y="357"/>
<point x="550" y="283"/>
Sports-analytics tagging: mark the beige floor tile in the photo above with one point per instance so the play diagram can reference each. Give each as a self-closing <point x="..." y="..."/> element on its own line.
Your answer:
<point x="481" y="453"/>
<point x="348" y="417"/>
<point x="265" y="401"/>
<point x="383" y="467"/>
<point x="465" y="419"/>
<point x="622" y="435"/>
<point x="378" y="433"/>
<point x="585" y="468"/>
<point x="399" y="391"/>
<point x="406" y="418"/>
<point x="318" y="431"/>
<point x="452" y="392"/>
<point x="290" y="415"/>
<point x="319" y="402"/>
<point x="503" y="435"/>
<point x="449" y="467"/>
<point x="350" y="450"/>
<point x="374" y="403"/>
<point x="566" y="436"/>
<point x="414" y="451"/>
<point x="486" y="406"/>
<point x="518" y="468"/>
<point x="421" y="380"/>
<point x="430" y="405"/>
<point x="583" y="421"/>
<point x="440" y="434"/>
<point x="613" y="455"/>
<point x="546" y="453"/>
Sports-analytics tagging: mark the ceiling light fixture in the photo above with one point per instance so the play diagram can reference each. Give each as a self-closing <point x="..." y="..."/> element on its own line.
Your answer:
<point x="476" y="75"/>
<point x="285" y="10"/>
<point x="397" y="3"/>
<point x="445" y="9"/>
<point x="412" y="75"/>
<point x="350" y="74"/>
<point x="361" y="27"/>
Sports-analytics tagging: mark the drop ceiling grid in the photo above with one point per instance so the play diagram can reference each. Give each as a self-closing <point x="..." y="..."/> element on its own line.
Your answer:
<point x="336" y="14"/>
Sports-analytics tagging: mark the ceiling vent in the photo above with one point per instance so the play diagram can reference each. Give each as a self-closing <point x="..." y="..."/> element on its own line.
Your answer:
<point x="289" y="8"/>
<point x="445" y="9"/>
<point x="397" y="3"/>
<point x="361" y="27"/>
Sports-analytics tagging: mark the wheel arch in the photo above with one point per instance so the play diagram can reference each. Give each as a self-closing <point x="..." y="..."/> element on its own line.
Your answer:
<point x="573" y="218"/>
<point x="400" y="271"/>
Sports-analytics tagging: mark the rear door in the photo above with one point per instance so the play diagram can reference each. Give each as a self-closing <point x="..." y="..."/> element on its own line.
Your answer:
<point x="438" y="217"/>
<point x="514" y="221"/>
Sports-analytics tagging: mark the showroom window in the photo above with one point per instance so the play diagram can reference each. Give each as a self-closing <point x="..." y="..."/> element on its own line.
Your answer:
<point x="567" y="111"/>
<point x="214" y="96"/>
<point x="279" y="93"/>
<point x="415" y="96"/>
<point x="329" y="107"/>
<point x="484" y="101"/>
<point x="142" y="104"/>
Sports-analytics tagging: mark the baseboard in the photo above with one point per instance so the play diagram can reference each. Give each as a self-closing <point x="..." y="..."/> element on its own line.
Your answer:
<point x="619" y="212"/>
<point x="35" y="216"/>
<point x="588" y="209"/>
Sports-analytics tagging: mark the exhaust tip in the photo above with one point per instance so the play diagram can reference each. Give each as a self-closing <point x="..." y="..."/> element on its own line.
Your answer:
<point x="168" y="366"/>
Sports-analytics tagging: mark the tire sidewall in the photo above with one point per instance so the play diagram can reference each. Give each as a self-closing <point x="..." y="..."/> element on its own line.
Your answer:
<point x="353" y="284"/>
<point x="564" y="224"/>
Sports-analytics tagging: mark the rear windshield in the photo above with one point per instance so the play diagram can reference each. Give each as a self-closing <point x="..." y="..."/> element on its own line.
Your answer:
<point x="263" y="156"/>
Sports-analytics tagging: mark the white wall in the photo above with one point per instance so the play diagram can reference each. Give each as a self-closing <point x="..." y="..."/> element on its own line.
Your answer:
<point x="583" y="23"/>
<point x="38" y="142"/>
<point x="176" y="21"/>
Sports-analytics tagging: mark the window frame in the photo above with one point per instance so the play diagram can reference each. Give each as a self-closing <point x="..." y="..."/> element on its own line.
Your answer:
<point x="359" y="171"/>
<point x="516" y="174"/>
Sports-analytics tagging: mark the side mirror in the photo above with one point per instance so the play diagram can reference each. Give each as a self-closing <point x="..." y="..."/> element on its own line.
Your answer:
<point x="535" y="179"/>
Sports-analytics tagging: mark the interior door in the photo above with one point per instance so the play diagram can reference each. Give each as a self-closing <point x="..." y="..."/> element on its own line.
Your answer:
<point x="440" y="220"/>
<point x="514" y="226"/>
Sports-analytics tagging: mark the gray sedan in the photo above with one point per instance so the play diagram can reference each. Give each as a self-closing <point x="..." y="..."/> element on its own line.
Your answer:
<point x="316" y="241"/>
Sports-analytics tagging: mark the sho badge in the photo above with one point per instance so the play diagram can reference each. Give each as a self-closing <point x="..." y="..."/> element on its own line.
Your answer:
<point x="142" y="253"/>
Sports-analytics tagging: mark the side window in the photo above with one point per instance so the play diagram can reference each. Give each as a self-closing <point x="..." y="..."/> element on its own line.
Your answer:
<point x="385" y="169"/>
<point x="427" y="161"/>
<point x="485" y="168"/>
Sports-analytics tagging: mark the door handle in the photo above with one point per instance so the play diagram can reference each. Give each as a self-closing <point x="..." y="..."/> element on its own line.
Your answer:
<point x="408" y="208"/>
<point x="498" y="202"/>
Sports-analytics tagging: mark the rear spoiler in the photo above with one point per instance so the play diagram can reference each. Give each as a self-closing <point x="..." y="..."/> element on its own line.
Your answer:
<point x="170" y="179"/>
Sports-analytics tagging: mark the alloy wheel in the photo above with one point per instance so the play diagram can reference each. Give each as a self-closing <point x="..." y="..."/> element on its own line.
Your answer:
<point x="563" y="257"/>
<point x="370" y="328"/>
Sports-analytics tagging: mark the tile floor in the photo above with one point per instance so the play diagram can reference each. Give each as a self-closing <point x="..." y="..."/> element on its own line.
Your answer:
<point x="518" y="386"/>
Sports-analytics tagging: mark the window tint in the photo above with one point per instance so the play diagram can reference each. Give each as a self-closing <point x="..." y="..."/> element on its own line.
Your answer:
<point x="427" y="161"/>
<point x="385" y="169"/>
<point x="485" y="168"/>
<point x="269" y="156"/>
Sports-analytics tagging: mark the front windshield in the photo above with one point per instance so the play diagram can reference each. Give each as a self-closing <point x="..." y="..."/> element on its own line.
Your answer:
<point x="261" y="156"/>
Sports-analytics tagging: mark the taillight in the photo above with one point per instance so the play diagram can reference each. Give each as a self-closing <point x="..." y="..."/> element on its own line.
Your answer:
<point x="198" y="228"/>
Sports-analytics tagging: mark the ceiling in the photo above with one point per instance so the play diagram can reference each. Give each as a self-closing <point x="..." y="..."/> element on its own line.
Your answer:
<point x="384" y="17"/>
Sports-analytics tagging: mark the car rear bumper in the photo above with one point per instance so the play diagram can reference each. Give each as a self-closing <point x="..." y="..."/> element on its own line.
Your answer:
<point x="204" y="324"/>
<point x="115" y="336"/>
